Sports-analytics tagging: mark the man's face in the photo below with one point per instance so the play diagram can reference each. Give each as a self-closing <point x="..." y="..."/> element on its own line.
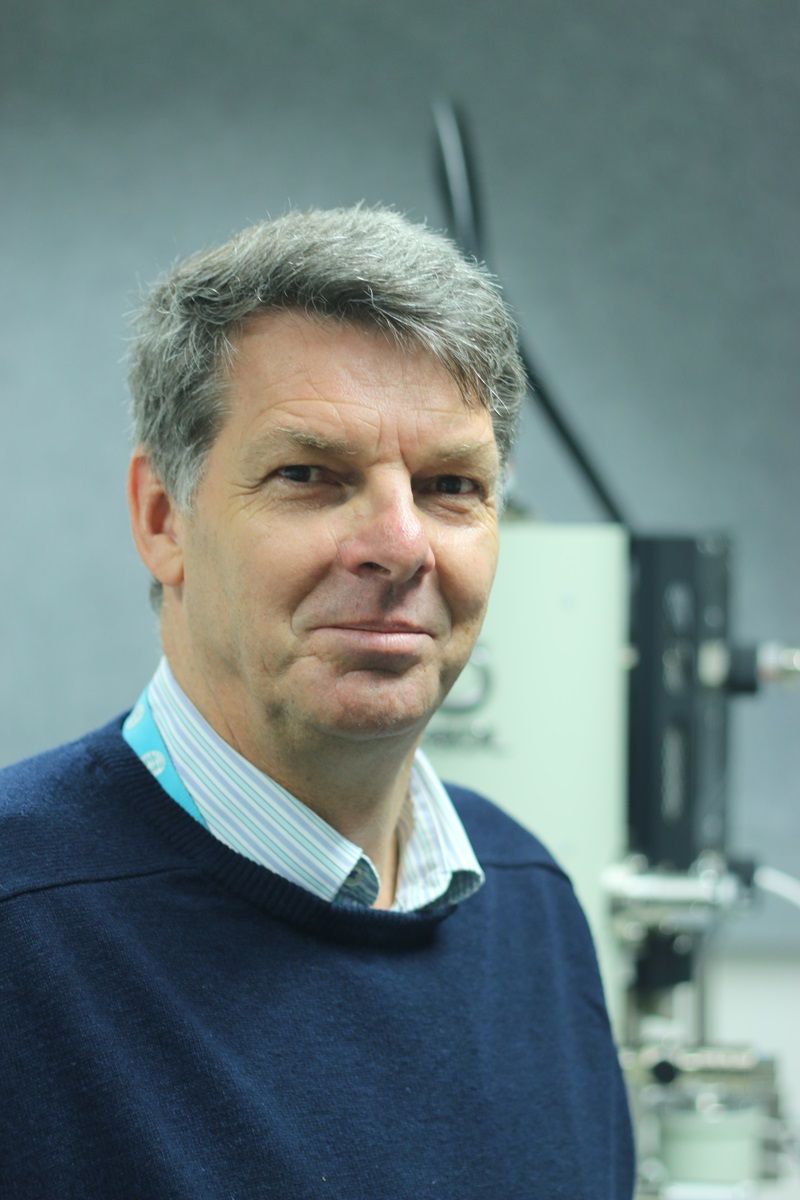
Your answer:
<point x="338" y="559"/>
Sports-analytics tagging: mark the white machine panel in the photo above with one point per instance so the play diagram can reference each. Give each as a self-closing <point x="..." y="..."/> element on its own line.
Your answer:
<point x="537" y="721"/>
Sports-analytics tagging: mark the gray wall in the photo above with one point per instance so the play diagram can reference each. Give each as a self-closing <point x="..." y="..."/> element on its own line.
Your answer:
<point x="642" y="185"/>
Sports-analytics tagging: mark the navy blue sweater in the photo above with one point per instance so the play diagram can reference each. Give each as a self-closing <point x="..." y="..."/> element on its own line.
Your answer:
<point x="176" y="1021"/>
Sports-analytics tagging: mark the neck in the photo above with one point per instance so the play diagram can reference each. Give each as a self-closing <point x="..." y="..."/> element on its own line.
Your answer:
<point x="358" y="786"/>
<point x="359" y="789"/>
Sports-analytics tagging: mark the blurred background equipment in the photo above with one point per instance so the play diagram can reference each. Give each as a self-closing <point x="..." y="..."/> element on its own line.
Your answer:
<point x="606" y="666"/>
<point x="543" y="718"/>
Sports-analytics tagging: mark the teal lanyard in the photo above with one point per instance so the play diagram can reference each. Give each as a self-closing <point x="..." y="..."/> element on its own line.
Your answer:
<point x="144" y="738"/>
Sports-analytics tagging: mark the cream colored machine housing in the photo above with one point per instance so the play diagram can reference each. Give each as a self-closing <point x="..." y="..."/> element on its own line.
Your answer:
<point x="537" y="722"/>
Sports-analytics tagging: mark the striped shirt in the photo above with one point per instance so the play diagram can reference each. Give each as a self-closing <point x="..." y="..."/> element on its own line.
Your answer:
<point x="254" y="815"/>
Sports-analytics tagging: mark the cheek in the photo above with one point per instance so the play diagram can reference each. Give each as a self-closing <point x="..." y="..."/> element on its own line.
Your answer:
<point x="467" y="591"/>
<point x="476" y="563"/>
<point x="280" y="571"/>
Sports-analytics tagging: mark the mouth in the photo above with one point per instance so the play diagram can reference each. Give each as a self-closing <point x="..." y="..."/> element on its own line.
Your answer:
<point x="379" y="639"/>
<point x="380" y="627"/>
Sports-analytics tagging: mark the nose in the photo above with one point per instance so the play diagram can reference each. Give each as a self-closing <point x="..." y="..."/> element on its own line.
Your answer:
<point x="386" y="535"/>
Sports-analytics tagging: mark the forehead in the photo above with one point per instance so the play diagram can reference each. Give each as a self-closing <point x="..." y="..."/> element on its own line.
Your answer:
<point x="277" y="346"/>
<point x="288" y="366"/>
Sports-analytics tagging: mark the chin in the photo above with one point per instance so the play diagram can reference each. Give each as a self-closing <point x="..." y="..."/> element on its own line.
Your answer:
<point x="365" y="725"/>
<point x="379" y="715"/>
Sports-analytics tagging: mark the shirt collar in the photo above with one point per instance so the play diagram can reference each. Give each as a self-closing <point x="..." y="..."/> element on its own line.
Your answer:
<point x="255" y="816"/>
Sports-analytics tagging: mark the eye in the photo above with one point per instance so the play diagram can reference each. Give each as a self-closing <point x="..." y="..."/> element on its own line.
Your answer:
<point x="455" y="485"/>
<point x="301" y="473"/>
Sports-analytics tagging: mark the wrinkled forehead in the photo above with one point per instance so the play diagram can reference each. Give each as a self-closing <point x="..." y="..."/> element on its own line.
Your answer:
<point x="290" y="370"/>
<point x="367" y="322"/>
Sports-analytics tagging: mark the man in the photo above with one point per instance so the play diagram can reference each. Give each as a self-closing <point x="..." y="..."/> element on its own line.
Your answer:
<point x="252" y="946"/>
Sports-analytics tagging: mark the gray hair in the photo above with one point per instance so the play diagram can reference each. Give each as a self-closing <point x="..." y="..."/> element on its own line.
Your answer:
<point x="361" y="266"/>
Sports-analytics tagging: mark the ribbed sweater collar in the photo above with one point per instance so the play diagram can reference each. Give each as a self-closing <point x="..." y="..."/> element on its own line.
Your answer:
<point x="128" y="779"/>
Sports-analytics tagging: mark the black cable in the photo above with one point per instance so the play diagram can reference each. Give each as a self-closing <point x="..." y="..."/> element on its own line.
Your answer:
<point x="458" y="180"/>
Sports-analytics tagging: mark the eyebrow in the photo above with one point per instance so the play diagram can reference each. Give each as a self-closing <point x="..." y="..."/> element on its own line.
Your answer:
<point x="465" y="451"/>
<point x="305" y="439"/>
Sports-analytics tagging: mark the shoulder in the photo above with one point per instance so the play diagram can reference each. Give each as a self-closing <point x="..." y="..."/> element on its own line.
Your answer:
<point x="62" y="813"/>
<point x="497" y="838"/>
<point x="527" y="895"/>
<point x="67" y="766"/>
<point x="527" y="900"/>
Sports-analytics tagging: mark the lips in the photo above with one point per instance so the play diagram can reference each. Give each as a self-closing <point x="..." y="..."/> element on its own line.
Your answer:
<point x="401" y="636"/>
<point x="377" y="643"/>
<point x="379" y="627"/>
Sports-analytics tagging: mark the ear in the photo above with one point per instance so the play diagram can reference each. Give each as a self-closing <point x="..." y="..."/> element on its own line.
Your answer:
<point x="154" y="521"/>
